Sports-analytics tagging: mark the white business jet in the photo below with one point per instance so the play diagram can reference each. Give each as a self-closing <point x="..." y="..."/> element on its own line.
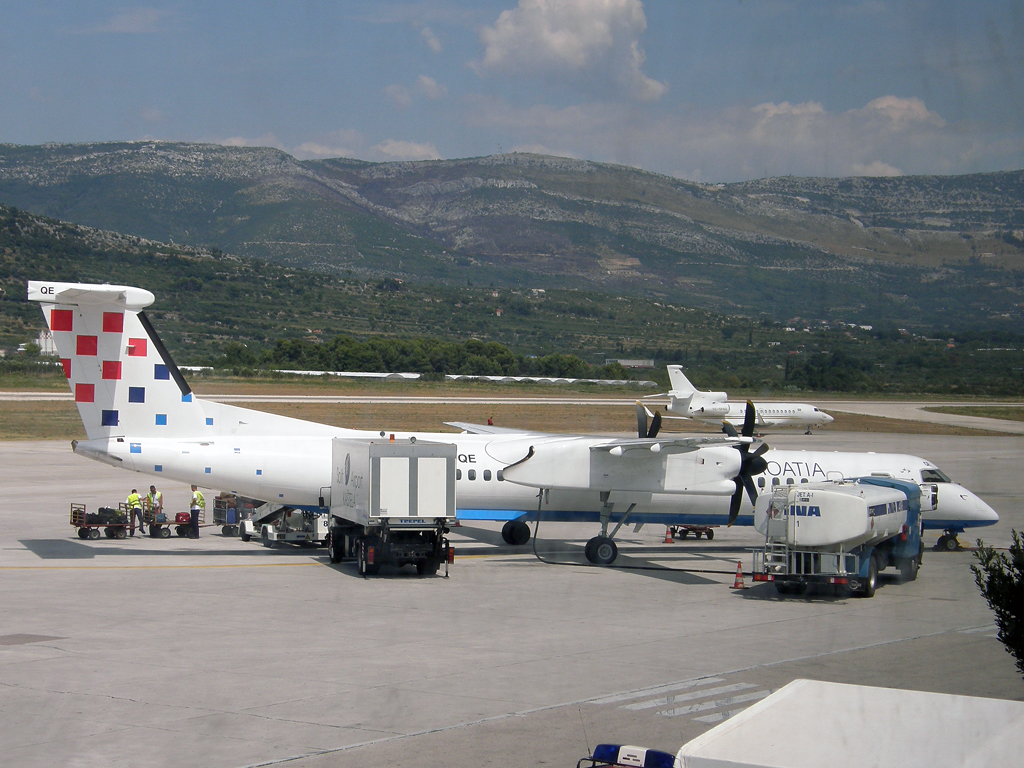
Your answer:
<point x="714" y="407"/>
<point x="140" y="414"/>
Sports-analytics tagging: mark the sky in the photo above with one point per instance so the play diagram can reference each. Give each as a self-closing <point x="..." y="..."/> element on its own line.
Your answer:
<point x="705" y="90"/>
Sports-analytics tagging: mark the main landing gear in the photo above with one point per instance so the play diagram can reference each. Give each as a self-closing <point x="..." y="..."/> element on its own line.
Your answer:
<point x="602" y="549"/>
<point x="515" y="532"/>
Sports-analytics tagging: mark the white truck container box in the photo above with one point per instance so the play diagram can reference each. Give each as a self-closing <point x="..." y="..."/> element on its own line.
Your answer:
<point x="810" y="724"/>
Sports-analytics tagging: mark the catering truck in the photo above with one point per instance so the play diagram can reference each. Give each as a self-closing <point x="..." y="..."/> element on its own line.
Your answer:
<point x="391" y="503"/>
<point x="839" y="533"/>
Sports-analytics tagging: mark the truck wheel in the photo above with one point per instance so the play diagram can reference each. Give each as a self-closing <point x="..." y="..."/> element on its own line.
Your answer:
<point x="427" y="567"/>
<point x="782" y="587"/>
<point x="265" y="536"/>
<point x="908" y="568"/>
<point x="601" y="550"/>
<point x="245" y="536"/>
<point x="868" y="590"/>
<point x="710" y="534"/>
<point x="334" y="553"/>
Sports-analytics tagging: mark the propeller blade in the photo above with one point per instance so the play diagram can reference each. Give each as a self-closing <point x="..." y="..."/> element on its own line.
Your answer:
<point x="641" y="421"/>
<point x="749" y="418"/>
<point x="748" y="483"/>
<point x="655" y="425"/>
<point x="734" y="504"/>
<point x="760" y="451"/>
<point x="729" y="429"/>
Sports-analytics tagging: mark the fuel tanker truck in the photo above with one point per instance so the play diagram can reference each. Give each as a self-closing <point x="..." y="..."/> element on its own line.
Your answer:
<point x="840" y="534"/>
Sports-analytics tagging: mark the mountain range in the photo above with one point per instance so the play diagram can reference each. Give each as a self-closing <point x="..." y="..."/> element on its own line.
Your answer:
<point x="918" y="250"/>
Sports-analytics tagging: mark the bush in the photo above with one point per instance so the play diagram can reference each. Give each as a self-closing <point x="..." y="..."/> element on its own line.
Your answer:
<point x="1000" y="577"/>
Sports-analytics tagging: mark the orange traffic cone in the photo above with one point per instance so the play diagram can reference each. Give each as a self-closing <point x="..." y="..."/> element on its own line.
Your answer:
<point x="668" y="536"/>
<point x="738" y="583"/>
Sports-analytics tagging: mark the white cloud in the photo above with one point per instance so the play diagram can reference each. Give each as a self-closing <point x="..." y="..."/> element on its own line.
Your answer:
<point x="430" y="88"/>
<point x="889" y="135"/>
<point x="875" y="168"/>
<point x="398" y="94"/>
<point x="431" y="40"/>
<point x="131" y="21"/>
<point x="392" y="149"/>
<point x="266" y="140"/>
<point x="342" y="143"/>
<point x="572" y="39"/>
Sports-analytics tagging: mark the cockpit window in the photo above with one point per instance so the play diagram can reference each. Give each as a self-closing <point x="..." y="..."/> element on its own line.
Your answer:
<point x="934" y="476"/>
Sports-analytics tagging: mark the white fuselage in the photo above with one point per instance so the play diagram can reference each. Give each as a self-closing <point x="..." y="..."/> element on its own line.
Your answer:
<point x="296" y="470"/>
<point x="715" y="411"/>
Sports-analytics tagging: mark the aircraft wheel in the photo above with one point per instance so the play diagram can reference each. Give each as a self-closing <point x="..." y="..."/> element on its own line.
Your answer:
<point x="94" y="533"/>
<point x="601" y="550"/>
<point x="165" y="533"/>
<point x="951" y="545"/>
<point x="506" y="531"/>
<point x="83" y="533"/>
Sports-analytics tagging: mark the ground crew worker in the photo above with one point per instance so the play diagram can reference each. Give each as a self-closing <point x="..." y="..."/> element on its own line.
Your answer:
<point x="198" y="504"/>
<point x="134" y="504"/>
<point x="156" y="505"/>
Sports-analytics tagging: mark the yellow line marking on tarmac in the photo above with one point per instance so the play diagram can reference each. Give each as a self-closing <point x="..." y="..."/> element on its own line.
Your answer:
<point x="144" y="567"/>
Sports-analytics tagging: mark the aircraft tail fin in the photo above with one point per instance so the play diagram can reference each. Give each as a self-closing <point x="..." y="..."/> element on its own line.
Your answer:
<point x="123" y="378"/>
<point x="681" y="386"/>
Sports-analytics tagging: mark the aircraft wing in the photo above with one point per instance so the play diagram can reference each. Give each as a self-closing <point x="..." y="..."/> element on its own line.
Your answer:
<point x="682" y="444"/>
<point x="487" y="429"/>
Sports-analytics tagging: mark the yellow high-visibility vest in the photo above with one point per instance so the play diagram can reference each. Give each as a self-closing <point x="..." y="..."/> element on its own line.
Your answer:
<point x="198" y="500"/>
<point x="134" y="500"/>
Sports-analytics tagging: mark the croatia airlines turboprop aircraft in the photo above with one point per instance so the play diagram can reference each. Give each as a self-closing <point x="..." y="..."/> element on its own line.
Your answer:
<point x="140" y="414"/>
<point x="714" y="407"/>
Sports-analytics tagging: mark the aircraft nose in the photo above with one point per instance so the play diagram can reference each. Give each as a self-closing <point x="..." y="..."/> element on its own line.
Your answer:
<point x="986" y="515"/>
<point x="828" y="419"/>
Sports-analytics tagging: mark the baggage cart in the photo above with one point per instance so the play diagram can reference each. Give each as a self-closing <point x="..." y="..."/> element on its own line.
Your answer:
<point x="113" y="523"/>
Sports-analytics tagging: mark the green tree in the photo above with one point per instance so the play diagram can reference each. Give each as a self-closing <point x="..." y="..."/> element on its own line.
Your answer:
<point x="1000" y="577"/>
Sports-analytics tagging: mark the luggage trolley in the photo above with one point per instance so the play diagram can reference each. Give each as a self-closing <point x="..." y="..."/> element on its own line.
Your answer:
<point x="113" y="522"/>
<point x="160" y="524"/>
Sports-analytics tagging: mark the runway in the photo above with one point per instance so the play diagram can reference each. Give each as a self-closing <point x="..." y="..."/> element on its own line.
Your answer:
<point x="910" y="410"/>
<point x="225" y="654"/>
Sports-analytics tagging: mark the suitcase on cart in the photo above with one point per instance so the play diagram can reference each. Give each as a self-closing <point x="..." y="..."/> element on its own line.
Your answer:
<point x="182" y="518"/>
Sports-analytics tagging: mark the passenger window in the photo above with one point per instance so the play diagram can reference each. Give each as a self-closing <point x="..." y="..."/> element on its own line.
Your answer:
<point x="458" y="473"/>
<point x="501" y="475"/>
<point x="760" y="482"/>
<point x="471" y="474"/>
<point x="803" y="479"/>
<point x="775" y="481"/>
<point x="789" y="480"/>
<point x="487" y="474"/>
